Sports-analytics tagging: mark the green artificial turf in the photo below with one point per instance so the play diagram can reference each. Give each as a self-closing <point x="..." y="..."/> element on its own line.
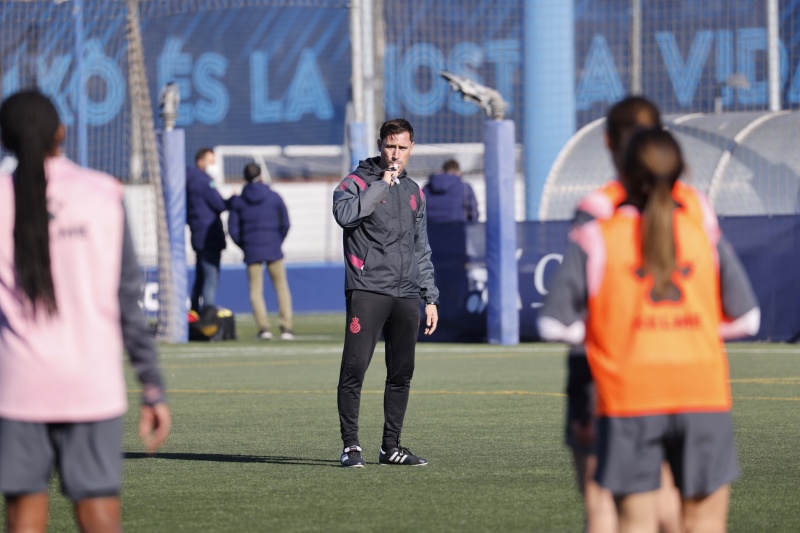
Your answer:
<point x="255" y="444"/>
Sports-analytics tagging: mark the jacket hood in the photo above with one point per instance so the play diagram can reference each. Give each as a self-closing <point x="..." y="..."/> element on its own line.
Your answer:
<point x="444" y="183"/>
<point x="255" y="193"/>
<point x="372" y="167"/>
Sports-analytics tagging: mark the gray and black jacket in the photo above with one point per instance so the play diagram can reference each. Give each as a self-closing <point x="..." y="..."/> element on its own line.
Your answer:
<point x="386" y="246"/>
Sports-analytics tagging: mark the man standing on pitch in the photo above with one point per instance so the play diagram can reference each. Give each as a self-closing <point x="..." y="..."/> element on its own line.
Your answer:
<point x="204" y="205"/>
<point x="388" y="270"/>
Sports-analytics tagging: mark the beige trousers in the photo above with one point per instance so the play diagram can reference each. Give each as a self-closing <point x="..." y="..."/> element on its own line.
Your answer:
<point x="277" y="272"/>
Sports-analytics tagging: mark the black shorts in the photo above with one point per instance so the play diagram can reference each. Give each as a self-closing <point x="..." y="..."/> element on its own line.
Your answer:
<point x="580" y="398"/>
<point x="699" y="448"/>
<point x="88" y="456"/>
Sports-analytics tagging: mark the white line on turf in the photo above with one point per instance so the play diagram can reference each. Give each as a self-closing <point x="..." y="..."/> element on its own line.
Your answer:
<point x="433" y="350"/>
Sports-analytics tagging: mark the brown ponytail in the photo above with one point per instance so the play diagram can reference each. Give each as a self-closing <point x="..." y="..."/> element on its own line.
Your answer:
<point x="28" y="125"/>
<point x="658" y="240"/>
<point x="652" y="164"/>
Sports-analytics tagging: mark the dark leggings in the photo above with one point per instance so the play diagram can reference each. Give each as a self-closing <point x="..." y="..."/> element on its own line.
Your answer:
<point x="367" y="315"/>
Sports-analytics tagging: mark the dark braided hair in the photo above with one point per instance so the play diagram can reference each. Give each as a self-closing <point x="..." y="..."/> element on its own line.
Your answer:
<point x="28" y="126"/>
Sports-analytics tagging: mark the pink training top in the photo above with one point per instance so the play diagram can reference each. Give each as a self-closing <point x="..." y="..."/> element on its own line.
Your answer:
<point x="66" y="367"/>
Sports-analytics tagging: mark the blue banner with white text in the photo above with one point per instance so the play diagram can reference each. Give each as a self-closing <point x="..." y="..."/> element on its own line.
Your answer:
<point x="695" y="55"/>
<point x="254" y="75"/>
<point x="260" y="74"/>
<point x="459" y="253"/>
<point x="248" y="75"/>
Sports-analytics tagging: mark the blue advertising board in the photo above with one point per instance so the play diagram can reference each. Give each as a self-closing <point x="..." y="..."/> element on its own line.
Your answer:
<point x="248" y="75"/>
<point x="459" y="253"/>
<point x="259" y="74"/>
<point x="690" y="50"/>
<point x="254" y="75"/>
<point x="459" y="257"/>
<point x="477" y="39"/>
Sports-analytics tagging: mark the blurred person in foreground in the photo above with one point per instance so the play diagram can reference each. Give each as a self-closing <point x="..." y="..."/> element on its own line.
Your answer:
<point x="623" y="119"/>
<point x="659" y="290"/>
<point x="258" y="223"/>
<point x="448" y="198"/>
<point x="69" y="288"/>
<point x="204" y="205"/>
<point x="388" y="273"/>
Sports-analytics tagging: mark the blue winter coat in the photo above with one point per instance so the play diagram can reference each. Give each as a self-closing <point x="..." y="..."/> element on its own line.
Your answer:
<point x="258" y="223"/>
<point x="203" y="207"/>
<point x="449" y="199"/>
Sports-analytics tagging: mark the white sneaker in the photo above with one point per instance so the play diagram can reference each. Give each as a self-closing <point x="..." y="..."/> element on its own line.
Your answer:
<point x="265" y="335"/>
<point x="287" y="336"/>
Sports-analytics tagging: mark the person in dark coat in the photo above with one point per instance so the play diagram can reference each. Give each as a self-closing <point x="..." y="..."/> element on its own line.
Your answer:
<point x="449" y="199"/>
<point x="258" y="223"/>
<point x="204" y="205"/>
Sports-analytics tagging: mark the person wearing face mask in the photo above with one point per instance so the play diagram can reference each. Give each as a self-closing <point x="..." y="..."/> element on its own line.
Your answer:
<point x="204" y="205"/>
<point x="388" y="273"/>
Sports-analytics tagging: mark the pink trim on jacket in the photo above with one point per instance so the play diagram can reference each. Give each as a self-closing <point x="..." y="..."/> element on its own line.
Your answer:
<point x="589" y="237"/>
<point x="359" y="181"/>
<point x="597" y="204"/>
<point x="356" y="262"/>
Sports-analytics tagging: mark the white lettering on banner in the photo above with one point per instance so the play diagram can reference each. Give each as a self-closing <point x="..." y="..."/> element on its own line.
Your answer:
<point x="538" y="273"/>
<point x="599" y="81"/>
<point x="478" y="299"/>
<point x="477" y="281"/>
<point x="411" y="76"/>
<point x="205" y="75"/>
<point x="55" y="76"/>
<point x="478" y="286"/>
<point x="150" y="297"/>
<point x="98" y="66"/>
<point x="401" y="80"/>
<point x="306" y="94"/>
<point x="51" y="79"/>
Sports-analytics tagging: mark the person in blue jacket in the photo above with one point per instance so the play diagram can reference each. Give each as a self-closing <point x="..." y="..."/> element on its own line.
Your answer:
<point x="204" y="205"/>
<point x="448" y="198"/>
<point x="258" y="223"/>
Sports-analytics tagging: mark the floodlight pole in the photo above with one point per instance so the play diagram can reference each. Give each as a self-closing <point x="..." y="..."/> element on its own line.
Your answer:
<point x="773" y="56"/>
<point x="635" y="48"/>
<point x="549" y="87"/>
<point x="368" y="75"/>
<point x="502" y="317"/>
<point x="499" y="163"/>
<point x="171" y="146"/>
<point x="357" y="128"/>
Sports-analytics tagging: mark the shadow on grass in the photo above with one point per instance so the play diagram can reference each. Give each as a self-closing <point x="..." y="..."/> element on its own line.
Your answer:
<point x="223" y="458"/>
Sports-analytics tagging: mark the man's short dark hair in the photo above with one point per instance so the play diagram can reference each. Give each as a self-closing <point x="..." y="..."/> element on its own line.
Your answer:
<point x="395" y="127"/>
<point x="201" y="153"/>
<point x="251" y="171"/>
<point x="451" y="166"/>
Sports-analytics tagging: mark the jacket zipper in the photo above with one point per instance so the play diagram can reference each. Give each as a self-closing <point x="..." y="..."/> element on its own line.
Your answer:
<point x="400" y="237"/>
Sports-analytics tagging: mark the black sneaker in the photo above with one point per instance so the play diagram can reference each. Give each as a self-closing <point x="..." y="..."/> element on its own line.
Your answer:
<point x="400" y="456"/>
<point x="351" y="457"/>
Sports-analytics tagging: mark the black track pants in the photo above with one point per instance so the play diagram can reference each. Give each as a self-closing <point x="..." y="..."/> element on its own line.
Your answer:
<point x="367" y="314"/>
